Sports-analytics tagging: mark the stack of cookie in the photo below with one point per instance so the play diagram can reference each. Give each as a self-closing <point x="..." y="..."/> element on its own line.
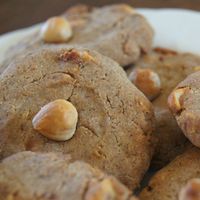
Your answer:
<point x="87" y="107"/>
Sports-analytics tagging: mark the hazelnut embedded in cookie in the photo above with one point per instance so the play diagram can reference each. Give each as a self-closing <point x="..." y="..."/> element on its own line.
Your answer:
<point x="56" y="120"/>
<point x="56" y="30"/>
<point x="127" y="8"/>
<point x="147" y="81"/>
<point x="102" y="190"/>
<point x="191" y="191"/>
<point x="175" y="99"/>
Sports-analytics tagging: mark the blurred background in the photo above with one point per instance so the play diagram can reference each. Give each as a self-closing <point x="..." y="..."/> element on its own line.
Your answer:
<point x="15" y="14"/>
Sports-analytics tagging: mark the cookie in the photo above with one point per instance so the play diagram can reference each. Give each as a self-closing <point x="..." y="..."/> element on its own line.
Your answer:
<point x="47" y="176"/>
<point x="115" y="120"/>
<point x="184" y="104"/>
<point x="168" y="182"/>
<point x="171" y="67"/>
<point x="117" y="31"/>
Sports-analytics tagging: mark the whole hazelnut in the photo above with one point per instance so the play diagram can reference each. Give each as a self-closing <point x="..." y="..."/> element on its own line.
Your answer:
<point x="56" y="120"/>
<point x="191" y="191"/>
<point x="56" y="30"/>
<point x="147" y="81"/>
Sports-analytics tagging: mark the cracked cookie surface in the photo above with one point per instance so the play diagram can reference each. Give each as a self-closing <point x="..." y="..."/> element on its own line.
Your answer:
<point x="115" y="123"/>
<point x="116" y="31"/>
<point x="172" y="67"/>
<point x="184" y="104"/>
<point x="48" y="176"/>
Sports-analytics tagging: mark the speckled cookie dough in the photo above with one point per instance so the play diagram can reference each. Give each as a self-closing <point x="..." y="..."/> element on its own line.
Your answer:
<point x="115" y="120"/>
<point x="47" y="176"/>
<point x="171" y="68"/>
<point x="117" y="31"/>
<point x="167" y="183"/>
<point x="184" y="104"/>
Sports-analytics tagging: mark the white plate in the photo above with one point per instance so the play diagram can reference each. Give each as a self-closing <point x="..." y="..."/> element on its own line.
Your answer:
<point x="174" y="28"/>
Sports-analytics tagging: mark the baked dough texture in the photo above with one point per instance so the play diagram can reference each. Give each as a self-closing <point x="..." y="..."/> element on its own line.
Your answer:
<point x="167" y="183"/>
<point x="115" y="120"/>
<point x="117" y="31"/>
<point x="172" y="67"/>
<point x="187" y="109"/>
<point x="47" y="176"/>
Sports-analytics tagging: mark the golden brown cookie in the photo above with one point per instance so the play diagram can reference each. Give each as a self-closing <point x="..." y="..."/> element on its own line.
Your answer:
<point x="47" y="176"/>
<point x="184" y="104"/>
<point x="115" y="120"/>
<point x="168" y="182"/>
<point x="117" y="31"/>
<point x="171" y="67"/>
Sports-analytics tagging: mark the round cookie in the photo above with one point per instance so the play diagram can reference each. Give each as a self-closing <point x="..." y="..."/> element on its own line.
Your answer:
<point x="168" y="182"/>
<point x="172" y="67"/>
<point x="184" y="104"/>
<point x="115" y="120"/>
<point x="116" y="31"/>
<point x="48" y="176"/>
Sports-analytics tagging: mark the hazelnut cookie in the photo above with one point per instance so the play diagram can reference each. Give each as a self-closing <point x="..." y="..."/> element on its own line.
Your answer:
<point x="117" y="31"/>
<point x="112" y="128"/>
<point x="167" y="183"/>
<point x="47" y="176"/>
<point x="157" y="74"/>
<point x="184" y="104"/>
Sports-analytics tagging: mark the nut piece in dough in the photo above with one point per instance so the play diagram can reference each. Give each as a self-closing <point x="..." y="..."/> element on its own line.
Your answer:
<point x="174" y="100"/>
<point x="191" y="191"/>
<point x="102" y="190"/>
<point x="147" y="81"/>
<point x="128" y="9"/>
<point x="56" y="30"/>
<point x="59" y="178"/>
<point x="57" y="120"/>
